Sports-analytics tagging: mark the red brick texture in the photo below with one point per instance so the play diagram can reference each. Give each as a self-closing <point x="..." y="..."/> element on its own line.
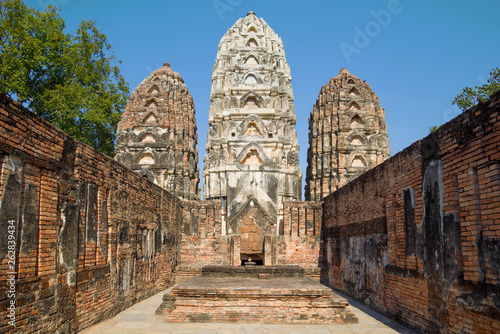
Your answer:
<point x="202" y="242"/>
<point x="92" y="237"/>
<point x="245" y="293"/>
<point x="279" y="302"/>
<point x="418" y="237"/>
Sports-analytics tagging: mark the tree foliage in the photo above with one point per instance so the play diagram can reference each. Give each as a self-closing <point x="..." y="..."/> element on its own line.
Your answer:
<point x="434" y="128"/>
<point x="72" y="81"/>
<point x="471" y="96"/>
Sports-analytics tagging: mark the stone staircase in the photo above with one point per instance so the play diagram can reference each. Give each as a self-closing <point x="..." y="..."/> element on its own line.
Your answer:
<point x="260" y="294"/>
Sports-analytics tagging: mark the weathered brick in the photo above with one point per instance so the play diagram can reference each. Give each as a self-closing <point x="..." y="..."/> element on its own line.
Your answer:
<point x="40" y="146"/>
<point x="454" y="290"/>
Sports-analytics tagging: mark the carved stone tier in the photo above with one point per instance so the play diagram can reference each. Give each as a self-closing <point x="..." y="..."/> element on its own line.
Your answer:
<point x="347" y="135"/>
<point x="157" y="134"/>
<point x="252" y="162"/>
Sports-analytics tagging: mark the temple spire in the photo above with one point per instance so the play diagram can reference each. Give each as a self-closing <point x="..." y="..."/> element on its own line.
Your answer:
<point x="252" y="150"/>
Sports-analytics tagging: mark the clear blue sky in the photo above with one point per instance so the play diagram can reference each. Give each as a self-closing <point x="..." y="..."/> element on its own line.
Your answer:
<point x="416" y="59"/>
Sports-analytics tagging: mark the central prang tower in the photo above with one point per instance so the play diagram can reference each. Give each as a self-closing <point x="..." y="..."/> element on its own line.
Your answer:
<point x="252" y="162"/>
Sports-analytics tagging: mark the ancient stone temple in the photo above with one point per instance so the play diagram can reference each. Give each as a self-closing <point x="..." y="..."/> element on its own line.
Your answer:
<point x="347" y="135"/>
<point x="416" y="237"/>
<point x="157" y="134"/>
<point x="252" y="160"/>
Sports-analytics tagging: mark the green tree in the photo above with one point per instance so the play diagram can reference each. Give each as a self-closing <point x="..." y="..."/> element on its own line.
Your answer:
<point x="72" y="81"/>
<point x="471" y="96"/>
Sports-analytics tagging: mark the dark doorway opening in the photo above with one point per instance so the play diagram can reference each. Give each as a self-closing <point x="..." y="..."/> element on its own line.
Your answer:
<point x="252" y="259"/>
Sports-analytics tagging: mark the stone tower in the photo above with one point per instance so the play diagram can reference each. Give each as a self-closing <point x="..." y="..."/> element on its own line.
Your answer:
<point x="157" y="134"/>
<point x="347" y="135"/>
<point x="252" y="160"/>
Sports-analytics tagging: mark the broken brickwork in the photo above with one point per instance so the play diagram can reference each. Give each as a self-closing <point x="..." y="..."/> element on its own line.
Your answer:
<point x="417" y="237"/>
<point x="92" y="237"/>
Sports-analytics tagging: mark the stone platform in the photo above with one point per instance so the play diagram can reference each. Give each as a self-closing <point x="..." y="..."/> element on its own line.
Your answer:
<point x="261" y="294"/>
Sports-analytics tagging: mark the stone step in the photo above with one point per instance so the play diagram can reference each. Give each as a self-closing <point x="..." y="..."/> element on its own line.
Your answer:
<point x="184" y="273"/>
<point x="252" y="271"/>
<point x="254" y="300"/>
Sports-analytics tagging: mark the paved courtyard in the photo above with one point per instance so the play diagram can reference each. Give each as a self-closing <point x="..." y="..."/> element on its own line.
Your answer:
<point x="141" y="318"/>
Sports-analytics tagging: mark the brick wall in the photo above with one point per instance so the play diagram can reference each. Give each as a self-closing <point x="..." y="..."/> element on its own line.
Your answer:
<point x="203" y="243"/>
<point x="418" y="237"/>
<point x="92" y="237"/>
<point x="301" y="243"/>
